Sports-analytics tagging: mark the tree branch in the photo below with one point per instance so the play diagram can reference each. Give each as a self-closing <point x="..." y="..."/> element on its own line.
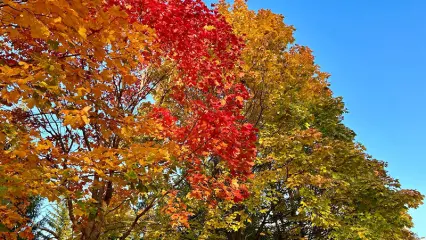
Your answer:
<point x="150" y="205"/>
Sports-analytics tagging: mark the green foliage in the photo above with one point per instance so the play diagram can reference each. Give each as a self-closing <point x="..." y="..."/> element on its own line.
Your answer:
<point x="56" y="224"/>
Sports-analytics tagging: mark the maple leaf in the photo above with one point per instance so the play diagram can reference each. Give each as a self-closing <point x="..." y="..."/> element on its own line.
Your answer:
<point x="82" y="32"/>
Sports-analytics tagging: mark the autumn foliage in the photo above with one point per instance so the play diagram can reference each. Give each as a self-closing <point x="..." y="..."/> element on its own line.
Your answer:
<point x="161" y="119"/>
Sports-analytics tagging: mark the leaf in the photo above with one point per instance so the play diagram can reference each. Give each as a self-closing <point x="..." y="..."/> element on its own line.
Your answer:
<point x="57" y="20"/>
<point x="53" y="44"/>
<point x="209" y="27"/>
<point x="24" y="64"/>
<point x="82" y="31"/>
<point x="86" y="109"/>
<point x="131" y="175"/>
<point x="85" y="119"/>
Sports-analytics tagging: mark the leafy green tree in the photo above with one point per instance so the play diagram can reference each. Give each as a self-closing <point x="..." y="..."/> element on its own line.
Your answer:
<point x="55" y="224"/>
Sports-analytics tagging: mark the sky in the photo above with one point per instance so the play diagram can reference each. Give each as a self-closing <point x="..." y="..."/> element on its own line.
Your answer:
<point x="376" y="54"/>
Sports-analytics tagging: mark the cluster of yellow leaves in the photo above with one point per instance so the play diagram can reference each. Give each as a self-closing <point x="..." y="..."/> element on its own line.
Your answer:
<point x="76" y="118"/>
<point x="72" y="121"/>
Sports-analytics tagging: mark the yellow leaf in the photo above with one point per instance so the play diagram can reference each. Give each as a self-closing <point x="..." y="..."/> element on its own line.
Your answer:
<point x="57" y="20"/>
<point x="235" y="183"/>
<point x="99" y="172"/>
<point x="87" y="160"/>
<point x="81" y="91"/>
<point x="24" y="64"/>
<point x="209" y="27"/>
<point x="78" y="212"/>
<point x="85" y="119"/>
<point x="86" y="109"/>
<point x="43" y="146"/>
<point x="82" y="32"/>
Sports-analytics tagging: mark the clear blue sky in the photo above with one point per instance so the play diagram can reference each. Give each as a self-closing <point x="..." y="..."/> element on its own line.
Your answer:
<point x="375" y="51"/>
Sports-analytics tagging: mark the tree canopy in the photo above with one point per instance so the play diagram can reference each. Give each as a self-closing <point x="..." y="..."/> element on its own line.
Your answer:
<point x="166" y="119"/>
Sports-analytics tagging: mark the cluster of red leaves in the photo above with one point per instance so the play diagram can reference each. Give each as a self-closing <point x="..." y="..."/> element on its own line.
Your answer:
<point x="205" y="51"/>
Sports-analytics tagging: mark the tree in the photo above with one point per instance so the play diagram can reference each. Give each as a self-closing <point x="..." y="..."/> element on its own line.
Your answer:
<point x="55" y="224"/>
<point x="312" y="180"/>
<point x="77" y="123"/>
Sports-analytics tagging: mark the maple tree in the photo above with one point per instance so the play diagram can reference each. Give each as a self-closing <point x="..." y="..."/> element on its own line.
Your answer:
<point x="312" y="180"/>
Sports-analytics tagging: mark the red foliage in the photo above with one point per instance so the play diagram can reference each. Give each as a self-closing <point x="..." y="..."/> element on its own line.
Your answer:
<point x="205" y="51"/>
